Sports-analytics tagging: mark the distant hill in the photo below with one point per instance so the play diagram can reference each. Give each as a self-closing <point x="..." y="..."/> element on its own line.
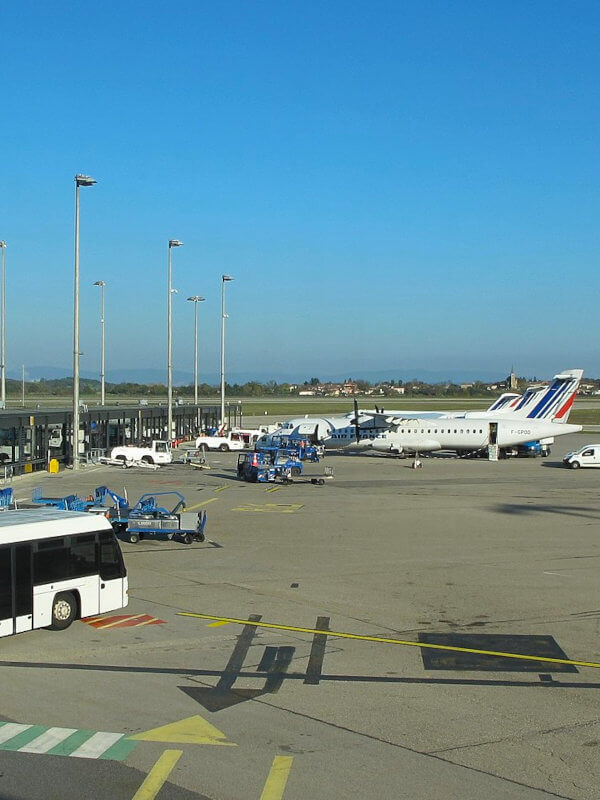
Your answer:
<point x="184" y="378"/>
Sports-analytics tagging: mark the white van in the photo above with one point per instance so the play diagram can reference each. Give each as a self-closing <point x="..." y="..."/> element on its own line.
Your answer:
<point x="588" y="456"/>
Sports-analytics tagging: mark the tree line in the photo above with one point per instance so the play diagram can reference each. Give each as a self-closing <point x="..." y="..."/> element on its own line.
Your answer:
<point x="64" y="386"/>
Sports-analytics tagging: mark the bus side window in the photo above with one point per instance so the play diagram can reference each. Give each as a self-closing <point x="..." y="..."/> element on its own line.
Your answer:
<point x="50" y="562"/>
<point x="82" y="556"/>
<point x="5" y="584"/>
<point x="111" y="560"/>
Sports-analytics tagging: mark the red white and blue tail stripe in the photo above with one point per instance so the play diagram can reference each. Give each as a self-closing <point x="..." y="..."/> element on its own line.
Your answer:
<point x="556" y="401"/>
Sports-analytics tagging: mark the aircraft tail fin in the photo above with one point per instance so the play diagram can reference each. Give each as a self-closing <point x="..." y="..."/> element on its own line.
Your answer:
<point x="505" y="402"/>
<point x="556" y="401"/>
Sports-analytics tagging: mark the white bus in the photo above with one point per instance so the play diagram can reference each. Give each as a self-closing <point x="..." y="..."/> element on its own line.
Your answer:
<point x="57" y="566"/>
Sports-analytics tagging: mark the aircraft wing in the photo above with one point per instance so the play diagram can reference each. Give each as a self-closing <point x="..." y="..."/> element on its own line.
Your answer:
<point x="395" y="417"/>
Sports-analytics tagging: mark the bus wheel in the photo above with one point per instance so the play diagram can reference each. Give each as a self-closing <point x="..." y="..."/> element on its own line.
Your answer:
<point x="64" y="611"/>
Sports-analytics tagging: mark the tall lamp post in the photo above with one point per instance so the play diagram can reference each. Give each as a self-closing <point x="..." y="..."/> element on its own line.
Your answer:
<point x="80" y="180"/>
<point x="195" y="299"/>
<point x="224" y="279"/>
<point x="3" y="329"/>
<point x="101" y="284"/>
<point x="172" y="243"/>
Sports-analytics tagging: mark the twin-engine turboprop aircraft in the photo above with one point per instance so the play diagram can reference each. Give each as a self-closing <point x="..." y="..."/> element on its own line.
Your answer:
<point x="544" y="408"/>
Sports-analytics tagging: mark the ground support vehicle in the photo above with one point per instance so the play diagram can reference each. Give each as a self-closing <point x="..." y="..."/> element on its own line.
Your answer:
<point x="527" y="450"/>
<point x="70" y="502"/>
<point x="300" y="449"/>
<point x="286" y="459"/>
<point x="124" y="464"/>
<point x="147" y="519"/>
<point x="158" y="452"/>
<point x="56" y="566"/>
<point x="195" y="458"/>
<point x="265" y="466"/>
<point x="588" y="456"/>
<point x="95" y="502"/>
<point x="116" y="512"/>
<point x="223" y="443"/>
<point x="7" y="500"/>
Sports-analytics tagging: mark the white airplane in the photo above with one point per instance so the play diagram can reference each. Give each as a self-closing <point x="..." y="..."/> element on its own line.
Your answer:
<point x="359" y="429"/>
<point x="539" y="415"/>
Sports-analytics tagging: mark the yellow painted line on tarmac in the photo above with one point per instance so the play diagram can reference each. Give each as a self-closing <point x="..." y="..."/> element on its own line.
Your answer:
<point x="274" y="489"/>
<point x="386" y="640"/>
<point x="269" y="508"/>
<point x="154" y="780"/>
<point x="203" y="503"/>
<point x="216" y="624"/>
<point x="221" y="488"/>
<point x="277" y="778"/>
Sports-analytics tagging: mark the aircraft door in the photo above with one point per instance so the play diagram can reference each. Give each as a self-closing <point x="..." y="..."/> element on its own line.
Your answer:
<point x="493" y="433"/>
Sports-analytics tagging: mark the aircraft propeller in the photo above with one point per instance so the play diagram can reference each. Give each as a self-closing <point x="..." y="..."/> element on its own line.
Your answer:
<point x="354" y="421"/>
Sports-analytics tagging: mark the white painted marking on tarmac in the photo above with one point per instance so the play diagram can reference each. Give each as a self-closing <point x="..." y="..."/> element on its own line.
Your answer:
<point x="47" y="740"/>
<point x="96" y="745"/>
<point x="11" y="729"/>
<point x="560" y="574"/>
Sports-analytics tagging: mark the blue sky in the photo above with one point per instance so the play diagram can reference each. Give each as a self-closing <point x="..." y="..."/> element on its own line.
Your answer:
<point x="394" y="186"/>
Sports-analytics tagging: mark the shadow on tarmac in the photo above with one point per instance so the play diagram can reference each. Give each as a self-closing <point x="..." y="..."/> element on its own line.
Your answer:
<point x="280" y="676"/>
<point x="569" y="511"/>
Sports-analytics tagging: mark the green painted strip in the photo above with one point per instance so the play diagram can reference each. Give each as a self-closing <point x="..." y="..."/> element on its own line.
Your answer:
<point x="24" y="738"/>
<point x="120" y="750"/>
<point x="70" y="744"/>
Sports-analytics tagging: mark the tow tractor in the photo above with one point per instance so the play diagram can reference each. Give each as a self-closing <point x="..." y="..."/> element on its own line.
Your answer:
<point x="147" y="519"/>
<point x="266" y="466"/>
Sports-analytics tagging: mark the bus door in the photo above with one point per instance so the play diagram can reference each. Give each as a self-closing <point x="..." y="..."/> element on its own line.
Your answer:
<point x="16" y="591"/>
<point x="112" y="571"/>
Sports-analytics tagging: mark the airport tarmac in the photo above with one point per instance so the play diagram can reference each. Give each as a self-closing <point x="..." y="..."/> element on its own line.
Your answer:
<point x="489" y="556"/>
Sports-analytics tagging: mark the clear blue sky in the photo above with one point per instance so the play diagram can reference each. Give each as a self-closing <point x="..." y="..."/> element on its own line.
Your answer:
<point x="393" y="185"/>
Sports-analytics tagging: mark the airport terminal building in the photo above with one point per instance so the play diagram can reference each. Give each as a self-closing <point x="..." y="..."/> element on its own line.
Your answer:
<point x="29" y="438"/>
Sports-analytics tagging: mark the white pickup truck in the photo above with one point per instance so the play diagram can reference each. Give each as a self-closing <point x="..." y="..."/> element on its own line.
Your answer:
<point x="158" y="452"/>
<point x="232" y="441"/>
